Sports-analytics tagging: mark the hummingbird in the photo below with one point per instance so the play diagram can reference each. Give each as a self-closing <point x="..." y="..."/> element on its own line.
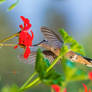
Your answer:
<point x="52" y="45"/>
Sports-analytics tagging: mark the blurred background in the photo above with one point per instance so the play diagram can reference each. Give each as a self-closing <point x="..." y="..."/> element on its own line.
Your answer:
<point x="75" y="16"/>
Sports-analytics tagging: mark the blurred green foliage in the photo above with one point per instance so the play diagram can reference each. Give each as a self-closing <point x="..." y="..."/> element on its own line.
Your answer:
<point x="13" y="88"/>
<point x="1" y="1"/>
<point x="13" y="5"/>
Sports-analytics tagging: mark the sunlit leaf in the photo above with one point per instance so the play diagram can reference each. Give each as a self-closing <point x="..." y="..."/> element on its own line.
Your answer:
<point x="13" y="88"/>
<point x="80" y="75"/>
<point x="73" y="44"/>
<point x="41" y="63"/>
<point x="63" y="34"/>
<point x="1" y="1"/>
<point x="64" y="49"/>
<point x="53" y="77"/>
<point x="13" y="5"/>
<point x="68" y="67"/>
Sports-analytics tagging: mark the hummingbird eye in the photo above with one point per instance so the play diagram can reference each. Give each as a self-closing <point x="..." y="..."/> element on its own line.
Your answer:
<point x="74" y="57"/>
<point x="71" y="57"/>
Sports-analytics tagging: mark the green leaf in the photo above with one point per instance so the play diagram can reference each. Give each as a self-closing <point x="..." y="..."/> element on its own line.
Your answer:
<point x="13" y="5"/>
<point x="72" y="72"/>
<point x="1" y="1"/>
<point x="77" y="48"/>
<point x="53" y="77"/>
<point x="68" y="67"/>
<point x="72" y="44"/>
<point x="80" y="75"/>
<point x="13" y="88"/>
<point x="68" y="39"/>
<point x="64" y="50"/>
<point x="41" y="63"/>
<point x="50" y="77"/>
<point x="63" y="34"/>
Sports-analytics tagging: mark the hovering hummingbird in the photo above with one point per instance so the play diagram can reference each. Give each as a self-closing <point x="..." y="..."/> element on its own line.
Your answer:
<point x="52" y="45"/>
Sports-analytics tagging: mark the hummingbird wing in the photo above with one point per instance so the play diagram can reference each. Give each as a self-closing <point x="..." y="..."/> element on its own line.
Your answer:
<point x="32" y="58"/>
<point x="52" y="37"/>
<point x="49" y="55"/>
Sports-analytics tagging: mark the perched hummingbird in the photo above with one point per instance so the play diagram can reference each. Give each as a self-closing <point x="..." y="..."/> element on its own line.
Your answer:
<point x="52" y="45"/>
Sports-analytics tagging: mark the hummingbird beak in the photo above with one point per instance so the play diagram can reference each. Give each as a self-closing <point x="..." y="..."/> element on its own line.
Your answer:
<point x="35" y="45"/>
<point x="40" y="43"/>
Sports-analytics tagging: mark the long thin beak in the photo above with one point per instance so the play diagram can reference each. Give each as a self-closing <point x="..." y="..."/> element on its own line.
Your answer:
<point x="35" y="44"/>
<point x="39" y="43"/>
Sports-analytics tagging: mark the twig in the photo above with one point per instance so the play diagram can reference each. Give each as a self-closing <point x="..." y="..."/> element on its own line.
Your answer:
<point x="10" y="37"/>
<point x="1" y="45"/>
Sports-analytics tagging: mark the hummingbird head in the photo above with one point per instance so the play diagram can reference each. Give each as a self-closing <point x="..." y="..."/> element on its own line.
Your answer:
<point x="72" y="56"/>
